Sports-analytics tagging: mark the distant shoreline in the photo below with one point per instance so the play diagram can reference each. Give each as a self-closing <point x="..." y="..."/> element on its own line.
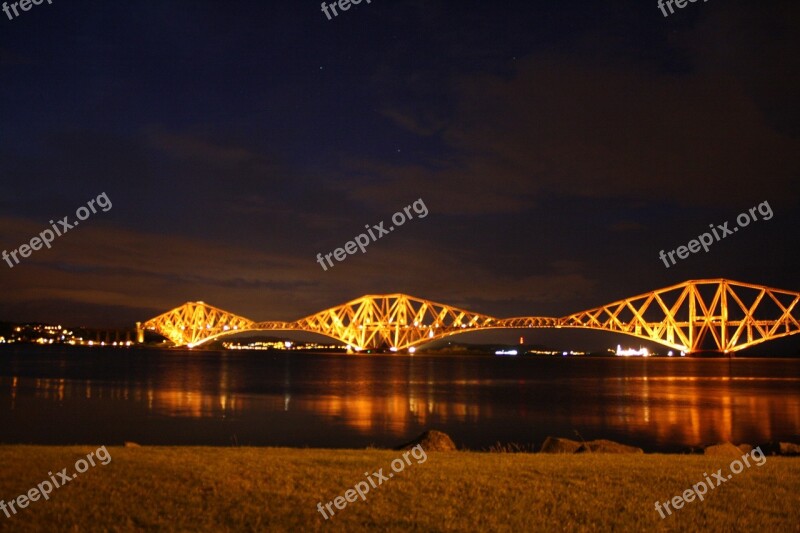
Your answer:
<point x="213" y="349"/>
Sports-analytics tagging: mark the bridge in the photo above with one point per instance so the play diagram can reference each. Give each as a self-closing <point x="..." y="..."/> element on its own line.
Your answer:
<point x="697" y="315"/>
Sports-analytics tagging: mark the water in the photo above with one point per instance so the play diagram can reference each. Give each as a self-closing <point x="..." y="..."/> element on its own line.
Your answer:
<point x="107" y="396"/>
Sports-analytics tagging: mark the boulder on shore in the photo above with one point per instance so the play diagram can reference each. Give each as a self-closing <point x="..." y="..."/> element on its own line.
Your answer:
<point x="723" y="449"/>
<point x="770" y="448"/>
<point x="745" y="448"/>
<point x="780" y="448"/>
<point x="432" y="441"/>
<point x="559" y="445"/>
<point x="607" y="446"/>
<point x="788" y="448"/>
<point x="131" y="444"/>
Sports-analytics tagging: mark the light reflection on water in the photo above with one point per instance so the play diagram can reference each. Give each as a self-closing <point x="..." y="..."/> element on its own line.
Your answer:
<point x="88" y="396"/>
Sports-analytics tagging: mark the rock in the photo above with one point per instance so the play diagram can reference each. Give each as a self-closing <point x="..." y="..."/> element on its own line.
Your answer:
<point x="559" y="445"/>
<point x="723" y="449"/>
<point x="788" y="448"/>
<point x="780" y="448"/>
<point x="432" y="441"/>
<point x="745" y="448"/>
<point x="607" y="446"/>
<point x="131" y="444"/>
<point x="770" y="448"/>
<point x="511" y="447"/>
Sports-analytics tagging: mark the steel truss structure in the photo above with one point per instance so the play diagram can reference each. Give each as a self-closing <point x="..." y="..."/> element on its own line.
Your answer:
<point x="697" y="315"/>
<point x="709" y="314"/>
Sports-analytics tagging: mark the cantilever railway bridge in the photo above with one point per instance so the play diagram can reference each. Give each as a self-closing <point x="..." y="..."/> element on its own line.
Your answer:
<point x="697" y="315"/>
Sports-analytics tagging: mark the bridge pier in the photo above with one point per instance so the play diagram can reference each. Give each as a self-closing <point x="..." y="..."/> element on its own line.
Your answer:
<point x="712" y="354"/>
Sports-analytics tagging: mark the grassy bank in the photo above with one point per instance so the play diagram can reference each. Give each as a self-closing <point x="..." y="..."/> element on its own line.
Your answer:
<point x="277" y="489"/>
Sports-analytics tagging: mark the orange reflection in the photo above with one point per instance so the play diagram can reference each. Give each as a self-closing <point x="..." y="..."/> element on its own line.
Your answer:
<point x="394" y="398"/>
<point x="692" y="411"/>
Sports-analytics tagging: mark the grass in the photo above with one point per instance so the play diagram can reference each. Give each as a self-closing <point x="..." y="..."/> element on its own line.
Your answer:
<point x="277" y="489"/>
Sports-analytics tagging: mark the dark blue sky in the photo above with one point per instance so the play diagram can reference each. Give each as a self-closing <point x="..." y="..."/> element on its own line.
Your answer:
<point x="558" y="147"/>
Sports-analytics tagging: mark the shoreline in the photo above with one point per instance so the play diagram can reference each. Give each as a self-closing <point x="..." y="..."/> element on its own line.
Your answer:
<point x="474" y="352"/>
<point x="775" y="448"/>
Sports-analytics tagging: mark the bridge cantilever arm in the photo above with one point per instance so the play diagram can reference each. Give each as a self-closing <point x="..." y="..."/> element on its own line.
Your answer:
<point x="681" y="316"/>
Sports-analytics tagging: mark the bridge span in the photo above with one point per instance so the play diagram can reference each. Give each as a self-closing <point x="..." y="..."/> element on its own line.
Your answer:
<point x="697" y="315"/>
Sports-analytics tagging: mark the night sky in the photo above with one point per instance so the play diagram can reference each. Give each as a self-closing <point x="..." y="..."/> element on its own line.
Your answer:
<point x="558" y="147"/>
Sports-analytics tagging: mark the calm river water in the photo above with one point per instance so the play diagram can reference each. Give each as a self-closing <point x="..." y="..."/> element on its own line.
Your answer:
<point x="106" y="396"/>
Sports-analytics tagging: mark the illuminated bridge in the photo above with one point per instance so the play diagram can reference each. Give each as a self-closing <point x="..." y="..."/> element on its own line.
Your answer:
<point x="699" y="315"/>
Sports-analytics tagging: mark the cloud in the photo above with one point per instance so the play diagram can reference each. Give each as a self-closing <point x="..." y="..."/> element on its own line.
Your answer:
<point x="106" y="266"/>
<point x="570" y="127"/>
<point x="193" y="148"/>
<point x="143" y="274"/>
<point x="627" y="226"/>
<point x="9" y="58"/>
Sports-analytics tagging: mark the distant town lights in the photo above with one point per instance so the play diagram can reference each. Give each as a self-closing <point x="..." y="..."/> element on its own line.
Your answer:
<point x="628" y="352"/>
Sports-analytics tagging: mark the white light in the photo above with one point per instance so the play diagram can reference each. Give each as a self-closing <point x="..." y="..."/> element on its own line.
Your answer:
<point x="412" y="350"/>
<point x="393" y="349"/>
<point x="627" y="352"/>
